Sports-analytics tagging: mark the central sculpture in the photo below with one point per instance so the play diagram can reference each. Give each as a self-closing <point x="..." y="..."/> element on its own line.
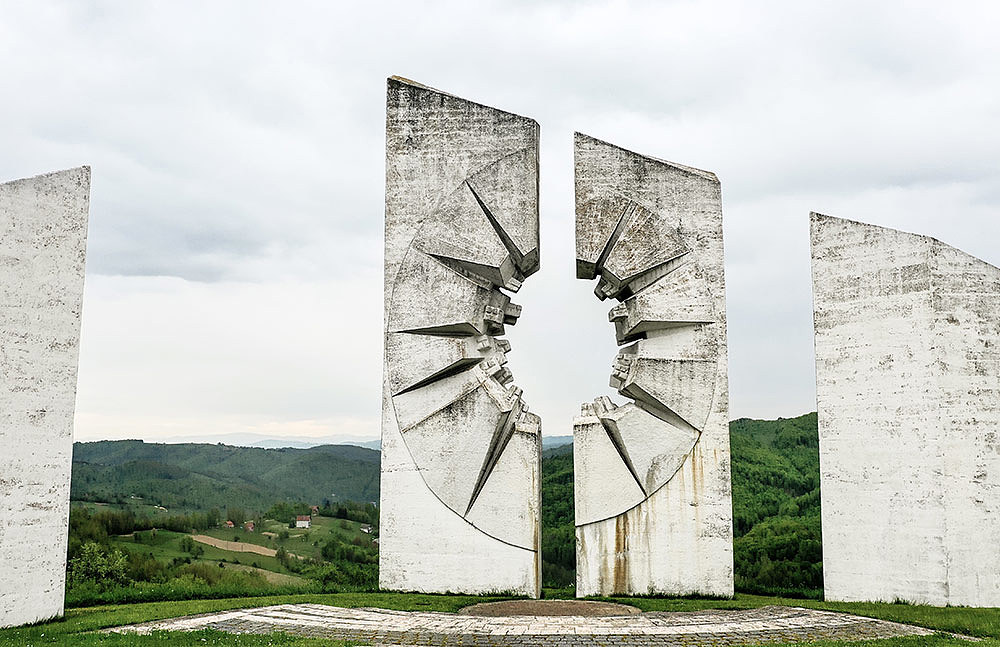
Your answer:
<point x="460" y="453"/>
<point x="652" y="488"/>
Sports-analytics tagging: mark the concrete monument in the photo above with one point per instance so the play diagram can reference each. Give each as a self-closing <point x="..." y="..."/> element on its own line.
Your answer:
<point x="460" y="452"/>
<point x="653" y="499"/>
<point x="43" y="236"/>
<point x="908" y="393"/>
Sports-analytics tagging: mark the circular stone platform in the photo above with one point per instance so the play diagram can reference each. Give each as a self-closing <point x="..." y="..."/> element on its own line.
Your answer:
<point x="390" y="628"/>
<point x="580" y="608"/>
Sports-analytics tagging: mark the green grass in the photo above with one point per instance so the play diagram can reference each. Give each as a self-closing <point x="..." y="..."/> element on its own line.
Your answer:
<point x="72" y="629"/>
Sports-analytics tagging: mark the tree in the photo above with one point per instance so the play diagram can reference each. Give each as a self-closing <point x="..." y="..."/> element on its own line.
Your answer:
<point x="94" y="563"/>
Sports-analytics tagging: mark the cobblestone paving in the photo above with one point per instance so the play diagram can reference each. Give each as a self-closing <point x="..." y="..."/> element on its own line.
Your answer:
<point x="384" y="627"/>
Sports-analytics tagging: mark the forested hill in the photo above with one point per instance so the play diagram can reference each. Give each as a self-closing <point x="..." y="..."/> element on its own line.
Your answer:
<point x="199" y="476"/>
<point x="776" y="505"/>
<point x="775" y="469"/>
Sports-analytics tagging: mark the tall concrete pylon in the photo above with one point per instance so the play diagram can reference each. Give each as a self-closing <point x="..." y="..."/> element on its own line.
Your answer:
<point x="908" y="393"/>
<point x="460" y="495"/>
<point x="43" y="247"/>
<point x="652" y="483"/>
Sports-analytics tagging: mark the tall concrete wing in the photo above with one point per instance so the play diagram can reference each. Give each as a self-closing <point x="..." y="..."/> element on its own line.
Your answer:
<point x="653" y="496"/>
<point x="461" y="454"/>
<point x="908" y="392"/>
<point x="43" y="238"/>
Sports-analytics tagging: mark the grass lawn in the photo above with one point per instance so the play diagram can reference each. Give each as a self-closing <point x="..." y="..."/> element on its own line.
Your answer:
<point x="72" y="629"/>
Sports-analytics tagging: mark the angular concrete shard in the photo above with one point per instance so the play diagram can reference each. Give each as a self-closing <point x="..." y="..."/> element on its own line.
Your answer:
<point x="507" y="505"/>
<point x="677" y="299"/>
<point x="604" y="486"/>
<point x="435" y="299"/>
<point x="651" y="232"/>
<point x="507" y="190"/>
<point x="460" y="452"/>
<point x="43" y="236"/>
<point x="909" y="454"/>
<point x="452" y="445"/>
<point x="410" y="407"/>
<point x="655" y="448"/>
<point x="460" y="233"/>
<point x="684" y="388"/>
<point x="418" y="360"/>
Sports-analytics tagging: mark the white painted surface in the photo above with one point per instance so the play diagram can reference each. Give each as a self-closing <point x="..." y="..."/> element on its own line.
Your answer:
<point x="43" y="234"/>
<point x="908" y="393"/>
<point x="461" y="455"/>
<point x="651" y="231"/>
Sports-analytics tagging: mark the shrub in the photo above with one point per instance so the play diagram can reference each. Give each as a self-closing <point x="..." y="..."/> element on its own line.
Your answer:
<point x="103" y="566"/>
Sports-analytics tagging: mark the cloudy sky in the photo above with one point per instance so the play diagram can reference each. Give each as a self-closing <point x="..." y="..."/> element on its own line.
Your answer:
<point x="234" y="270"/>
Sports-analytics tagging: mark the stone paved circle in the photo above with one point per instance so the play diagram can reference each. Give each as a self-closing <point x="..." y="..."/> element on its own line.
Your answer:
<point x="581" y="608"/>
<point x="385" y="627"/>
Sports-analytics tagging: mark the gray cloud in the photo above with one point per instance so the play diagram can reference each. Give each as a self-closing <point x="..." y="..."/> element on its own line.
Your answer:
<point x="238" y="148"/>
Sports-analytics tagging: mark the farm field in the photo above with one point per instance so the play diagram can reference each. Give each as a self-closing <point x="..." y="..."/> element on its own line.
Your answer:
<point x="305" y="543"/>
<point x="165" y="546"/>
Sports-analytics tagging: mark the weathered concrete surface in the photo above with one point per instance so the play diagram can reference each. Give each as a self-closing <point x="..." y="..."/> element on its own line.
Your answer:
<point x="460" y="452"/>
<point x="683" y="629"/>
<point x="43" y="236"/>
<point x="908" y="392"/>
<point x="653" y="496"/>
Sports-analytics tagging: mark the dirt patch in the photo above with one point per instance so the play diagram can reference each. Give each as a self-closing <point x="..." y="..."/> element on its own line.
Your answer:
<point x="549" y="608"/>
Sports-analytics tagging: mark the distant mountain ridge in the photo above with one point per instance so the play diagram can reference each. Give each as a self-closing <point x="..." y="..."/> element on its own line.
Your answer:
<point x="202" y="476"/>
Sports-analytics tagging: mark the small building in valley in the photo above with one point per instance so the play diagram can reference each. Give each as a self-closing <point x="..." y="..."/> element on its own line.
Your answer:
<point x="248" y="526"/>
<point x="230" y="524"/>
<point x="303" y="521"/>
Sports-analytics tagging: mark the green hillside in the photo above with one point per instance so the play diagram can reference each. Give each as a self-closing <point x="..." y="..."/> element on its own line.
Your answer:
<point x="776" y="513"/>
<point x="200" y="477"/>
<point x="775" y="479"/>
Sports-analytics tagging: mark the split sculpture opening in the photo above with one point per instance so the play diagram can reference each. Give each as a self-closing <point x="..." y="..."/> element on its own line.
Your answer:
<point x="908" y="392"/>
<point x="652" y="487"/>
<point x="43" y="242"/>
<point x="461" y="455"/>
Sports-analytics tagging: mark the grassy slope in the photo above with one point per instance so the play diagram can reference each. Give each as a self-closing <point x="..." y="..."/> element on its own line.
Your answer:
<point x="203" y="476"/>
<point x="166" y="547"/>
<point x="301" y="542"/>
<point x="974" y="622"/>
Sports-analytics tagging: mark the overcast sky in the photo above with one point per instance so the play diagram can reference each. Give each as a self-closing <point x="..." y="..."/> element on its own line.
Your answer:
<point x="235" y="252"/>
